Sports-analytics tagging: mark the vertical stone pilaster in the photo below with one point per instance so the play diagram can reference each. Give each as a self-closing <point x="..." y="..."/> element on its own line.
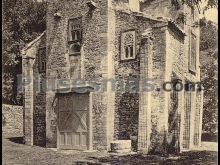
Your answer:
<point x="110" y="73"/>
<point x="192" y="118"/>
<point x="28" y="100"/>
<point x="90" y="122"/>
<point x="168" y="76"/>
<point x="181" y="100"/>
<point x="197" y="124"/>
<point x="201" y="116"/>
<point x="144" y="123"/>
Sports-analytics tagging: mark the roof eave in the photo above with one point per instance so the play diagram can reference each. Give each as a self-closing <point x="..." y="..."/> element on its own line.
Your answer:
<point x="32" y="42"/>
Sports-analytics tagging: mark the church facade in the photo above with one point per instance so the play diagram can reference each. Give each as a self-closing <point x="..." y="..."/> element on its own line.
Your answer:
<point x="103" y="71"/>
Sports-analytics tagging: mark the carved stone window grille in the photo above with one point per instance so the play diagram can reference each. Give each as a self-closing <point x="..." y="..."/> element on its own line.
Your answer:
<point x="128" y="45"/>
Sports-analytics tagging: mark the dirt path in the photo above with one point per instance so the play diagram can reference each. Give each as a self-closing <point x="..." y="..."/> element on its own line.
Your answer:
<point x="20" y="154"/>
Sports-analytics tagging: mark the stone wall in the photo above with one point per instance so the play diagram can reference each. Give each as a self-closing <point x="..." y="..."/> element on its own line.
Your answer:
<point x="93" y="59"/>
<point x="176" y="70"/>
<point x="13" y="117"/>
<point x="127" y="104"/>
<point x="177" y="58"/>
<point x="126" y="113"/>
<point x="163" y="8"/>
<point x="127" y="99"/>
<point x="159" y="111"/>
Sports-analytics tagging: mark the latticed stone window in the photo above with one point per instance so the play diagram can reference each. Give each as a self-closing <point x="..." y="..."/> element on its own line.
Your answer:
<point x="192" y="53"/>
<point x="75" y="35"/>
<point x="128" y="49"/>
<point x="42" y="60"/>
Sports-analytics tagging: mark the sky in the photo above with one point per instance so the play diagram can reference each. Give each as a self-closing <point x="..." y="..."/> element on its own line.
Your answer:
<point x="211" y="14"/>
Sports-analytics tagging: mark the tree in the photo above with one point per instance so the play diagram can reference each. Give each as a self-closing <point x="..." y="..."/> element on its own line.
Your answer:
<point x="23" y="20"/>
<point x="209" y="37"/>
<point x="210" y="3"/>
<point x="209" y="72"/>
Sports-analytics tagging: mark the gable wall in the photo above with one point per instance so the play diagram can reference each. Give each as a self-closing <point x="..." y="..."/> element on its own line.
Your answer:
<point x="34" y="102"/>
<point x="39" y="114"/>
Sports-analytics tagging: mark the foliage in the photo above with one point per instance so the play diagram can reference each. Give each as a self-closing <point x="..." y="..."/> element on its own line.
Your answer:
<point x="196" y="3"/>
<point x="209" y="71"/>
<point x="210" y="3"/>
<point x="208" y="38"/>
<point x="23" y="20"/>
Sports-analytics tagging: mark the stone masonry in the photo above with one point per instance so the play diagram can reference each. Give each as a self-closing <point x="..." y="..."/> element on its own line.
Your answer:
<point x="158" y="49"/>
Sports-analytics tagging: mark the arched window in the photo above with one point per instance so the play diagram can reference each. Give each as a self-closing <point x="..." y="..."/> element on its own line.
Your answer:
<point x="74" y="48"/>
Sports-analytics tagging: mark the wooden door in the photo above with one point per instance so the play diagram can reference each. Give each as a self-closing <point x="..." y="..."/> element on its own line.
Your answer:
<point x="73" y="121"/>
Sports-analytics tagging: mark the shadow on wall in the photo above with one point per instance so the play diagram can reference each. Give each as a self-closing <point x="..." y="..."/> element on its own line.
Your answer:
<point x="18" y="140"/>
<point x="210" y="137"/>
<point x="128" y="118"/>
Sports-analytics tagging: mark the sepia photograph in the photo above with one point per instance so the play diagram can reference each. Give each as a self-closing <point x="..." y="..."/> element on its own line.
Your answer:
<point x="110" y="82"/>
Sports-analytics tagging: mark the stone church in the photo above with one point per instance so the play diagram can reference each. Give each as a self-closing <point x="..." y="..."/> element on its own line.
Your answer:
<point x="73" y="98"/>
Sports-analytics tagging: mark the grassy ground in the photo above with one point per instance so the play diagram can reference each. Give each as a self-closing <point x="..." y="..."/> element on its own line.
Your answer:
<point x="17" y="154"/>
